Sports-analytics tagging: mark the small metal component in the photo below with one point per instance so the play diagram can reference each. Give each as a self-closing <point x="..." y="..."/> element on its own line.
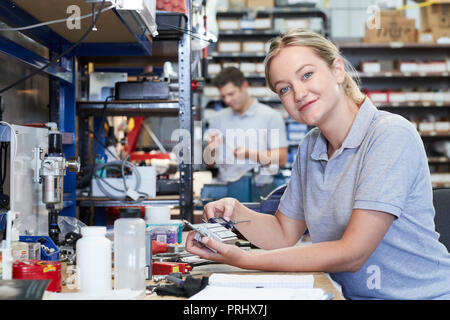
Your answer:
<point x="214" y="231"/>
<point x="73" y="164"/>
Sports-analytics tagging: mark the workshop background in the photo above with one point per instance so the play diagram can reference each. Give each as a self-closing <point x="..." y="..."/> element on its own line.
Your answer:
<point x="118" y="94"/>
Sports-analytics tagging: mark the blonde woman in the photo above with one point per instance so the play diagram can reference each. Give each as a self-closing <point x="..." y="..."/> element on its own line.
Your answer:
<point x="360" y="184"/>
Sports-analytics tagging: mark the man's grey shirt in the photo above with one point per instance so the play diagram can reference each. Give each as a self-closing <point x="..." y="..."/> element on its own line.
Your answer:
<point x="260" y="127"/>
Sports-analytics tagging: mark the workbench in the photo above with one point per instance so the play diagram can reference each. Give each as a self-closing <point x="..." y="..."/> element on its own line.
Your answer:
<point x="320" y="279"/>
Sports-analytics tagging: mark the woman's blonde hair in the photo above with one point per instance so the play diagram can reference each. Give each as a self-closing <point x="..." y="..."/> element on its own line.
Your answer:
<point x="324" y="48"/>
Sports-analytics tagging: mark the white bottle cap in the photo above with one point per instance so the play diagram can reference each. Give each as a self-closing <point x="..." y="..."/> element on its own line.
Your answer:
<point x="93" y="231"/>
<point x="157" y="214"/>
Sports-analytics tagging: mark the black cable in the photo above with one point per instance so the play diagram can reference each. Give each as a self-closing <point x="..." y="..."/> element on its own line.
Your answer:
<point x="4" y="198"/>
<point x="54" y="60"/>
<point x="105" y="103"/>
<point x="5" y="162"/>
<point x="186" y="31"/>
<point x="102" y="144"/>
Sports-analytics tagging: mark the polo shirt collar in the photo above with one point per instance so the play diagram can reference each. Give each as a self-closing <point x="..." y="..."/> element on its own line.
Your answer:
<point x="251" y="111"/>
<point x="361" y="124"/>
<point x="355" y="136"/>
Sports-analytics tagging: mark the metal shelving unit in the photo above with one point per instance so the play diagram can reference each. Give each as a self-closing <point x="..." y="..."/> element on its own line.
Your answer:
<point x="181" y="108"/>
<point x="116" y="37"/>
<point x="393" y="80"/>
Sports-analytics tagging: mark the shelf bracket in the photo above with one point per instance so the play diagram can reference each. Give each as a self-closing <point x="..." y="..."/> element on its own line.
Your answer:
<point x="34" y="60"/>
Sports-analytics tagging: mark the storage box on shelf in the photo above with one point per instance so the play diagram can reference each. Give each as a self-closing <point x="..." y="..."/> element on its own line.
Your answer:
<point x="392" y="26"/>
<point x="434" y="21"/>
<point x="262" y="4"/>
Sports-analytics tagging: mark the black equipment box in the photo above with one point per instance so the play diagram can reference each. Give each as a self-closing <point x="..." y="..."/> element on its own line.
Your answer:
<point x="171" y="25"/>
<point x="142" y="90"/>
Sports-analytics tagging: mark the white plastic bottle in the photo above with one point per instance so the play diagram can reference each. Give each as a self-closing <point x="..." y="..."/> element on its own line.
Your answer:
<point x="94" y="261"/>
<point x="129" y="251"/>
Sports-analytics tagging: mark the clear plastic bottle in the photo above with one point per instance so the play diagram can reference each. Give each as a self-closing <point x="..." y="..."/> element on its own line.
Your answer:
<point x="129" y="250"/>
<point x="94" y="261"/>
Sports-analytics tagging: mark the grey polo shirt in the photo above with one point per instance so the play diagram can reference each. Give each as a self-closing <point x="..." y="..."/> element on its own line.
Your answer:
<point x="381" y="166"/>
<point x="260" y="127"/>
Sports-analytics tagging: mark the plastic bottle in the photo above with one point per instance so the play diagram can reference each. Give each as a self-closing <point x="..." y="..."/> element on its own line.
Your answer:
<point x="94" y="261"/>
<point x="129" y="250"/>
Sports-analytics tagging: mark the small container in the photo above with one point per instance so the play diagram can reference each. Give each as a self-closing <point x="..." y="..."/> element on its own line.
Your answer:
<point x="39" y="270"/>
<point x="157" y="214"/>
<point x="164" y="233"/>
<point x="19" y="250"/>
<point x="34" y="251"/>
<point x="129" y="250"/>
<point x="49" y="250"/>
<point x="178" y="224"/>
<point x="94" y="261"/>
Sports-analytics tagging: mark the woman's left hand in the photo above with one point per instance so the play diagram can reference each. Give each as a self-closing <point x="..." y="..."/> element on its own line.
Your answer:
<point x="226" y="253"/>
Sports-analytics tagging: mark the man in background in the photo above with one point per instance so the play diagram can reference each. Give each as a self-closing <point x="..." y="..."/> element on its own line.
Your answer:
<point x="246" y="134"/>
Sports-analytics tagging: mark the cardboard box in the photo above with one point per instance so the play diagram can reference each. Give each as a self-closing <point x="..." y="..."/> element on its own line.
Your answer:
<point x="392" y="14"/>
<point x="236" y="4"/>
<point x="229" y="46"/>
<point x="214" y="68"/>
<point x="248" y="24"/>
<point x="440" y="33"/>
<point x="442" y="126"/>
<point x="435" y="16"/>
<point x="231" y="64"/>
<point x="210" y="91"/>
<point x="370" y="66"/>
<point x="412" y="96"/>
<point x="408" y="66"/>
<point x="425" y="37"/>
<point x="378" y="96"/>
<point x="426" y="126"/>
<point x="392" y="30"/>
<point x="253" y="46"/>
<point x="283" y="24"/>
<point x="229" y="24"/>
<point x="260" y="91"/>
<point x="263" y="23"/>
<point x="397" y="96"/>
<point x="260" y="68"/>
<point x="264" y="4"/>
<point x="427" y="96"/>
<point x="248" y="67"/>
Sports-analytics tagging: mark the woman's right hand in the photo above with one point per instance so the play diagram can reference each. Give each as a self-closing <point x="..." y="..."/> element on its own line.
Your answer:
<point x="221" y="208"/>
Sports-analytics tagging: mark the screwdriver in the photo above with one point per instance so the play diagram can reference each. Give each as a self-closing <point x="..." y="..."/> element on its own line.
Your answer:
<point x="227" y="224"/>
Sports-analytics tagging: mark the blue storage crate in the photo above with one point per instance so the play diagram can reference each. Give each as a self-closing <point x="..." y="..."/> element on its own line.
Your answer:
<point x="241" y="189"/>
<point x="213" y="191"/>
<point x="48" y="242"/>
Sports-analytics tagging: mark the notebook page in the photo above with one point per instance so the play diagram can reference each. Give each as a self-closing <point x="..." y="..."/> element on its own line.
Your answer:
<point x="261" y="281"/>
<point x="229" y="293"/>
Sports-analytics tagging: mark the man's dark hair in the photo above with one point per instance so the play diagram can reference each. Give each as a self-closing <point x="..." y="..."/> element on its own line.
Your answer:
<point x="230" y="74"/>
